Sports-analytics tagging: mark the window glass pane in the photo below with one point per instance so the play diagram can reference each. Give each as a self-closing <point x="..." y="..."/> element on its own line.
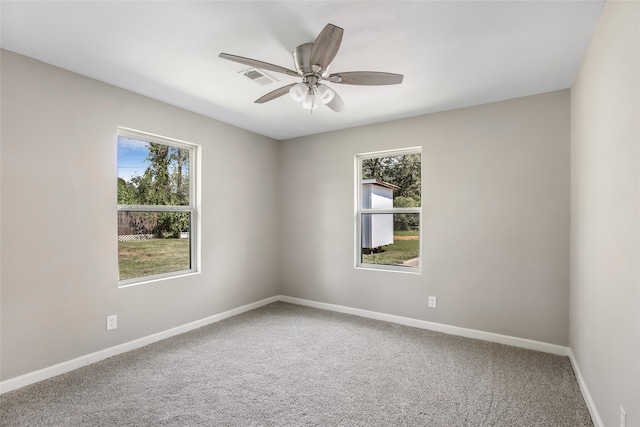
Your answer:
<point x="152" y="174"/>
<point x="151" y="243"/>
<point x="391" y="239"/>
<point x="391" y="181"/>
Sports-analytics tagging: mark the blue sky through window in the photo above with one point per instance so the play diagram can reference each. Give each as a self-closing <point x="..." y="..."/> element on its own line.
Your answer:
<point x="131" y="157"/>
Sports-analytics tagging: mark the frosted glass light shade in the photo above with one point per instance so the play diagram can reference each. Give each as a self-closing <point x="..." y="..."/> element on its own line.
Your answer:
<point x="325" y="93"/>
<point x="298" y="91"/>
<point x="310" y="101"/>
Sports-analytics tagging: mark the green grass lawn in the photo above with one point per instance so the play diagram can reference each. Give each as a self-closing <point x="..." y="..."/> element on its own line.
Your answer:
<point x="406" y="233"/>
<point x="397" y="253"/>
<point x="140" y="258"/>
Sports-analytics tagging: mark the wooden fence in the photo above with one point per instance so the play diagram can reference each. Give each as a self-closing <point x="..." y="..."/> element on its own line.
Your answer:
<point x="136" y="225"/>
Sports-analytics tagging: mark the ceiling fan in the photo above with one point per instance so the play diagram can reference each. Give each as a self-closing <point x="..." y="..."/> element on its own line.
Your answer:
<point x="312" y="64"/>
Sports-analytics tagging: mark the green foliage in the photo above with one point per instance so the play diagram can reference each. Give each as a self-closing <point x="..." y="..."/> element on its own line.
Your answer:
<point x="171" y="224"/>
<point x="405" y="221"/>
<point x="126" y="192"/>
<point x="165" y="182"/>
<point x="405" y="202"/>
<point x="403" y="171"/>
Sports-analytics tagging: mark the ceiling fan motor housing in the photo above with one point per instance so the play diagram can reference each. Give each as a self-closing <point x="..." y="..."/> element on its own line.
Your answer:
<point x="311" y="75"/>
<point x="302" y="59"/>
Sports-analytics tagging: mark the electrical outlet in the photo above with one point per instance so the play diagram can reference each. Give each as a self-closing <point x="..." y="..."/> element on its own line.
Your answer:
<point x="432" y="302"/>
<point x="623" y="418"/>
<point x="112" y="322"/>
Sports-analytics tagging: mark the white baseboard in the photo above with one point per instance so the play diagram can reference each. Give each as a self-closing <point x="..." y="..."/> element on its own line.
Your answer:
<point x="591" y="406"/>
<point x="469" y="333"/>
<point x="438" y="327"/>
<point x="70" y="365"/>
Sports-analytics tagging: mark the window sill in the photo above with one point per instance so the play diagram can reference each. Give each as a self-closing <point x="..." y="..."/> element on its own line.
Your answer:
<point x="152" y="279"/>
<point x="389" y="268"/>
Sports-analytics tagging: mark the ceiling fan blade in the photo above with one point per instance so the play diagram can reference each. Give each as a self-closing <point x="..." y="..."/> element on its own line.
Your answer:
<point x="326" y="46"/>
<point x="336" y="104"/>
<point x="274" y="94"/>
<point x="258" y="64"/>
<point x="366" y="78"/>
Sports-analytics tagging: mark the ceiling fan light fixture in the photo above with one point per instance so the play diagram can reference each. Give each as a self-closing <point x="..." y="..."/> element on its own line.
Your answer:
<point x="312" y="61"/>
<point x="325" y="93"/>
<point x="310" y="101"/>
<point x="298" y="91"/>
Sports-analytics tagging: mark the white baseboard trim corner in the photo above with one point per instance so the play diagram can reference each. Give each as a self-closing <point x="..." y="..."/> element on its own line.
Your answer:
<point x="433" y="326"/>
<point x="469" y="333"/>
<point x="591" y="406"/>
<point x="70" y="365"/>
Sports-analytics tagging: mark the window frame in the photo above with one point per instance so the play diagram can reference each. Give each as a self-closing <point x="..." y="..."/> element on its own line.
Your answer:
<point x="192" y="208"/>
<point x="359" y="211"/>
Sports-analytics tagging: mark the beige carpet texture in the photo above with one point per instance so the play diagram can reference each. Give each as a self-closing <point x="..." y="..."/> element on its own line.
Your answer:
<point x="288" y="365"/>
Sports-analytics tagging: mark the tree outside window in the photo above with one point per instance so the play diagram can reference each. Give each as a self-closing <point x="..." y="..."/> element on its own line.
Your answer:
<point x="389" y="210"/>
<point x="155" y="207"/>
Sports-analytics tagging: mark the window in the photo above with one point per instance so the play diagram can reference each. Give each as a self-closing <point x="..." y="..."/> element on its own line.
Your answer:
<point x="156" y="207"/>
<point x="388" y="210"/>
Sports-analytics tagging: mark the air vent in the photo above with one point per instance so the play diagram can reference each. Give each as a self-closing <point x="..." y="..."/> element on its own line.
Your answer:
<point x="258" y="76"/>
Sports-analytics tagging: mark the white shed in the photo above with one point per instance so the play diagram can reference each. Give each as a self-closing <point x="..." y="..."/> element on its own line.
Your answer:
<point x="377" y="229"/>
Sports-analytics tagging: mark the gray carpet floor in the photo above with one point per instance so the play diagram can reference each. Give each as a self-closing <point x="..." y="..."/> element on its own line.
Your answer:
<point x="287" y="365"/>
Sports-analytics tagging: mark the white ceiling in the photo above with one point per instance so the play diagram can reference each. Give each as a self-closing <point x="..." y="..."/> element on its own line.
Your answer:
<point x="452" y="53"/>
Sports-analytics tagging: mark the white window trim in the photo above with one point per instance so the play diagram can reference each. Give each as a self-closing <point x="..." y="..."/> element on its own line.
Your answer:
<point x="193" y="208"/>
<point x="359" y="211"/>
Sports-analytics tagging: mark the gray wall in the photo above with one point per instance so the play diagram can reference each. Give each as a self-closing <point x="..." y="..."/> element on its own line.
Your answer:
<point x="605" y="214"/>
<point x="495" y="233"/>
<point x="495" y="218"/>
<point x="59" y="246"/>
